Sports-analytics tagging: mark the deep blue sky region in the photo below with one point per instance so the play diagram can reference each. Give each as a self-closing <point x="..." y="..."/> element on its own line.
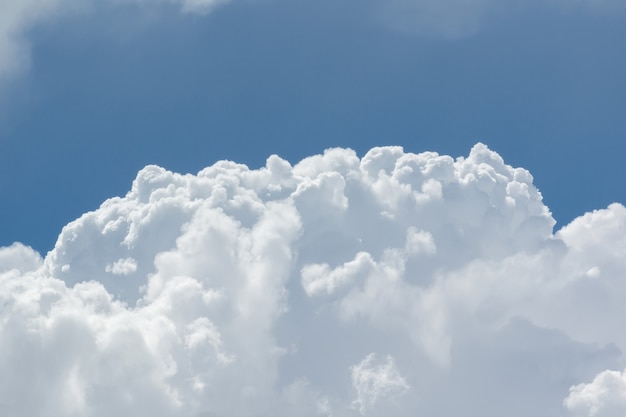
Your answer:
<point x="110" y="91"/>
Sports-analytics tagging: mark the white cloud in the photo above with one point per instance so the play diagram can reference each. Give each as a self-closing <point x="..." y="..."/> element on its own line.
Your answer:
<point x="19" y="257"/>
<point x="120" y="267"/>
<point x="605" y="396"/>
<point x="318" y="278"/>
<point x="376" y="381"/>
<point x="255" y="292"/>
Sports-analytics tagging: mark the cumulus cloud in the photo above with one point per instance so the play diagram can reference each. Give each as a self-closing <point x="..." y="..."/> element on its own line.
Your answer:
<point x="605" y="396"/>
<point x="260" y="292"/>
<point x="120" y="267"/>
<point x="19" y="258"/>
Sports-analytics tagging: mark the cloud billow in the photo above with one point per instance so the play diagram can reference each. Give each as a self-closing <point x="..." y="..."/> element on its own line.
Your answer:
<point x="394" y="284"/>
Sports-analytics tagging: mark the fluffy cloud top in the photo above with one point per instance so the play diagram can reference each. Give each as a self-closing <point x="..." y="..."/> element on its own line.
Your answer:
<point x="605" y="396"/>
<point x="394" y="284"/>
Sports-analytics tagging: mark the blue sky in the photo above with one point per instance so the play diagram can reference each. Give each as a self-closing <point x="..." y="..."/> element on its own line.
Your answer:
<point x="112" y="88"/>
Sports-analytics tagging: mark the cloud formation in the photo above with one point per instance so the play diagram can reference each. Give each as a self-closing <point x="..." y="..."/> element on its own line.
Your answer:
<point x="605" y="396"/>
<point x="394" y="284"/>
<point x="375" y="382"/>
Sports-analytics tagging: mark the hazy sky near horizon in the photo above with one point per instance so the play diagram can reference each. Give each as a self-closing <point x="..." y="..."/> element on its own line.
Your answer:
<point x="312" y="208"/>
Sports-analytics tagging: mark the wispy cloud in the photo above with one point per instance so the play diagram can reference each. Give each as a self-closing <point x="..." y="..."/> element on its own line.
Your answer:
<point x="447" y="18"/>
<point x="375" y="382"/>
<point x="17" y="18"/>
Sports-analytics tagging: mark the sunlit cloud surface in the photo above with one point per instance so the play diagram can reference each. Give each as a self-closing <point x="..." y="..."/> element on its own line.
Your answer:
<point x="394" y="284"/>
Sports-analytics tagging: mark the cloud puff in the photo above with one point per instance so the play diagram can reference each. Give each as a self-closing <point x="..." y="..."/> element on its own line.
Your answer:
<point x="120" y="267"/>
<point x="19" y="258"/>
<point x="246" y="292"/>
<point x="374" y="382"/>
<point x="605" y="396"/>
